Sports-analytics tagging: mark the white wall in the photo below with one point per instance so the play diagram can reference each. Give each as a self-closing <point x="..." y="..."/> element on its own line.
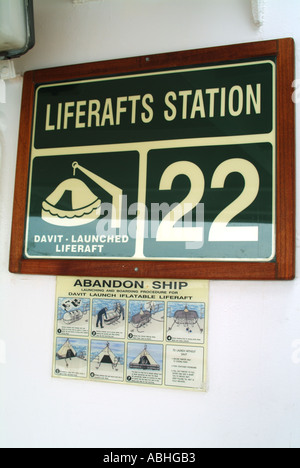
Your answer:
<point x="254" y="337"/>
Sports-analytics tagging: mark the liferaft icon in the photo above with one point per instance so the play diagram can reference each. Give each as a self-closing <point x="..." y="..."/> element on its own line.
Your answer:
<point x="85" y="206"/>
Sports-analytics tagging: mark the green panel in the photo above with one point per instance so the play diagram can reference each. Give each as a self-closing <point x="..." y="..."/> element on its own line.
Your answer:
<point x="120" y="169"/>
<point x="259" y="213"/>
<point x="217" y="101"/>
<point x="139" y="139"/>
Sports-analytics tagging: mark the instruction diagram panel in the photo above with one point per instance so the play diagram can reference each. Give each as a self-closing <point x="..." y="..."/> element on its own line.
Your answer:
<point x="132" y="331"/>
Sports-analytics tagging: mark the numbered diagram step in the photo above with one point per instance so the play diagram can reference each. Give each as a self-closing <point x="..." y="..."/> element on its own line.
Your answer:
<point x="71" y="356"/>
<point x="145" y="363"/>
<point x="73" y="316"/>
<point x="186" y="322"/>
<point x="107" y="361"/>
<point x="146" y="320"/>
<point x="108" y="318"/>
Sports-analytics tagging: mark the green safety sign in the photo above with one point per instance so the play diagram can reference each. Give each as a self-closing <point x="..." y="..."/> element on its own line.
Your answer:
<point x="168" y="165"/>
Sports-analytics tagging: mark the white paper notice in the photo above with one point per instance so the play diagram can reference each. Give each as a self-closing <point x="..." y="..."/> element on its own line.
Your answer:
<point x="132" y="331"/>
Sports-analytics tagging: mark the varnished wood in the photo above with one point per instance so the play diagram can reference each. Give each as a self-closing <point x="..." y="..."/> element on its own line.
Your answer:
<point x="286" y="204"/>
<point x="283" y="268"/>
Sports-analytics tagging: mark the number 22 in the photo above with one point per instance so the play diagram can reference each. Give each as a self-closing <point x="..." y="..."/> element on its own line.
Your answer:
<point x="219" y="231"/>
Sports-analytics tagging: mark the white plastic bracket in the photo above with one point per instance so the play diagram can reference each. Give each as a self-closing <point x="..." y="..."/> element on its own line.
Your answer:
<point x="258" y="11"/>
<point x="7" y="69"/>
<point x="7" y="72"/>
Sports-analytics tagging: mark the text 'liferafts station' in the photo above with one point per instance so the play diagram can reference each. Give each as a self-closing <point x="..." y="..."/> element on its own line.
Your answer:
<point x="185" y="104"/>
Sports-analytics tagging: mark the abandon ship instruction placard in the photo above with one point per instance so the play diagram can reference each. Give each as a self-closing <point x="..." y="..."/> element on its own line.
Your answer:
<point x="132" y="331"/>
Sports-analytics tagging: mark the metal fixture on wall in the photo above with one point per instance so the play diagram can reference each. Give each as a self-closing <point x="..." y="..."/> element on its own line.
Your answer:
<point x="16" y="28"/>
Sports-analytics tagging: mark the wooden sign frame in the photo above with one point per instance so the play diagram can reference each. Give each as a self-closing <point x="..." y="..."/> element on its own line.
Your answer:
<point x="283" y="264"/>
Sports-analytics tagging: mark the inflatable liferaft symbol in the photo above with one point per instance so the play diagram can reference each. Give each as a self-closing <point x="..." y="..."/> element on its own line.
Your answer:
<point x="85" y="206"/>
